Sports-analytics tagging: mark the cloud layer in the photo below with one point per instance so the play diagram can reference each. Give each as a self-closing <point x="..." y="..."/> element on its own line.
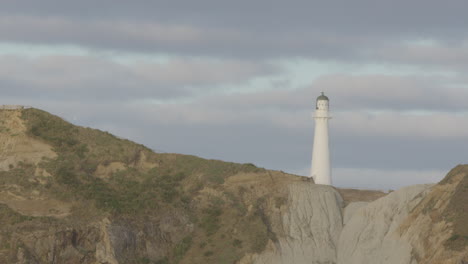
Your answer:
<point x="92" y="78"/>
<point x="238" y="80"/>
<point x="365" y="30"/>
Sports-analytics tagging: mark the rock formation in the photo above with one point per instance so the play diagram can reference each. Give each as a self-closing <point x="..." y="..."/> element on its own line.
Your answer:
<point x="308" y="231"/>
<point x="369" y="236"/>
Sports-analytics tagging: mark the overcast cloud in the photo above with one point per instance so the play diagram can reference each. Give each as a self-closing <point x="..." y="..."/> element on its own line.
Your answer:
<point x="237" y="80"/>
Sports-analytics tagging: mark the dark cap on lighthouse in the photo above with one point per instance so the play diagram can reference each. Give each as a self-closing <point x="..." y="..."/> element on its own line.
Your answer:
<point x="322" y="97"/>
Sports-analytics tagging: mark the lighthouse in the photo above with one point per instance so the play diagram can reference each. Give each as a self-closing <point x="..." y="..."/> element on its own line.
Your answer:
<point x="321" y="168"/>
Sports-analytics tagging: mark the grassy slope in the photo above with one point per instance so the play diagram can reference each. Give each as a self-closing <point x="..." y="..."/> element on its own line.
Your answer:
<point x="80" y="150"/>
<point x="457" y="209"/>
<point x="141" y="194"/>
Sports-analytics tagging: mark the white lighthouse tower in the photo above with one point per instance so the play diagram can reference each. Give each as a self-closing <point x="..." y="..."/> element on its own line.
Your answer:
<point x="321" y="169"/>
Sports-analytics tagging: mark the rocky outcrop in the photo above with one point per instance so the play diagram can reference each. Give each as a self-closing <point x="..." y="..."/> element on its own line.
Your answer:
<point x="106" y="241"/>
<point x="15" y="146"/>
<point x="351" y="209"/>
<point x="308" y="231"/>
<point x="437" y="229"/>
<point x="370" y="235"/>
<point x="421" y="224"/>
<point x="313" y="229"/>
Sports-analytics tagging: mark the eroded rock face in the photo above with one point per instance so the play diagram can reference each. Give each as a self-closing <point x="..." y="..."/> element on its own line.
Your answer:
<point x="15" y="146"/>
<point x="313" y="229"/>
<point x="420" y="224"/>
<point x="370" y="235"/>
<point x="437" y="229"/>
<point x="350" y="209"/>
<point x="55" y="245"/>
<point x="103" y="242"/>
<point x="308" y="231"/>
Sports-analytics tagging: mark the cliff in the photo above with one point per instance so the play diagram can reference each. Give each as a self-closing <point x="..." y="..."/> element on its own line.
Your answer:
<point x="71" y="194"/>
<point x="417" y="224"/>
<point x="308" y="230"/>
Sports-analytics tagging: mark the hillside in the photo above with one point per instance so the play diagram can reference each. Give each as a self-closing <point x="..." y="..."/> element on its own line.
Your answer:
<point x="78" y="195"/>
<point x="71" y="194"/>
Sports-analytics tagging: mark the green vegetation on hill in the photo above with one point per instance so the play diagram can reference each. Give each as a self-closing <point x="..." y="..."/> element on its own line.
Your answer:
<point x="138" y="192"/>
<point x="80" y="151"/>
<point x="87" y="144"/>
<point x="9" y="216"/>
<point x="457" y="210"/>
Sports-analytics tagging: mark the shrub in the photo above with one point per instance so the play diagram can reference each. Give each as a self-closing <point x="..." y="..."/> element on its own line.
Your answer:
<point x="237" y="243"/>
<point x="210" y="219"/>
<point x="182" y="248"/>
<point x="162" y="261"/>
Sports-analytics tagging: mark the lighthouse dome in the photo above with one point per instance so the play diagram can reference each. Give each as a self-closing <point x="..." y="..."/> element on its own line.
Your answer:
<point x="322" y="97"/>
<point x="322" y="102"/>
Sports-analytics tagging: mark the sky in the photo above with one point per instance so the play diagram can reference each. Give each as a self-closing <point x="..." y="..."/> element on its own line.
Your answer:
<point x="237" y="80"/>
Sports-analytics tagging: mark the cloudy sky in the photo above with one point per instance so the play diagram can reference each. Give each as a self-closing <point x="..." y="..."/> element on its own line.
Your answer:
<point x="237" y="80"/>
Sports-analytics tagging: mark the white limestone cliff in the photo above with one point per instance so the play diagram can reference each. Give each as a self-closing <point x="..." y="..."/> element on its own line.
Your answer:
<point x="308" y="231"/>
<point x="370" y="235"/>
<point x="314" y="230"/>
